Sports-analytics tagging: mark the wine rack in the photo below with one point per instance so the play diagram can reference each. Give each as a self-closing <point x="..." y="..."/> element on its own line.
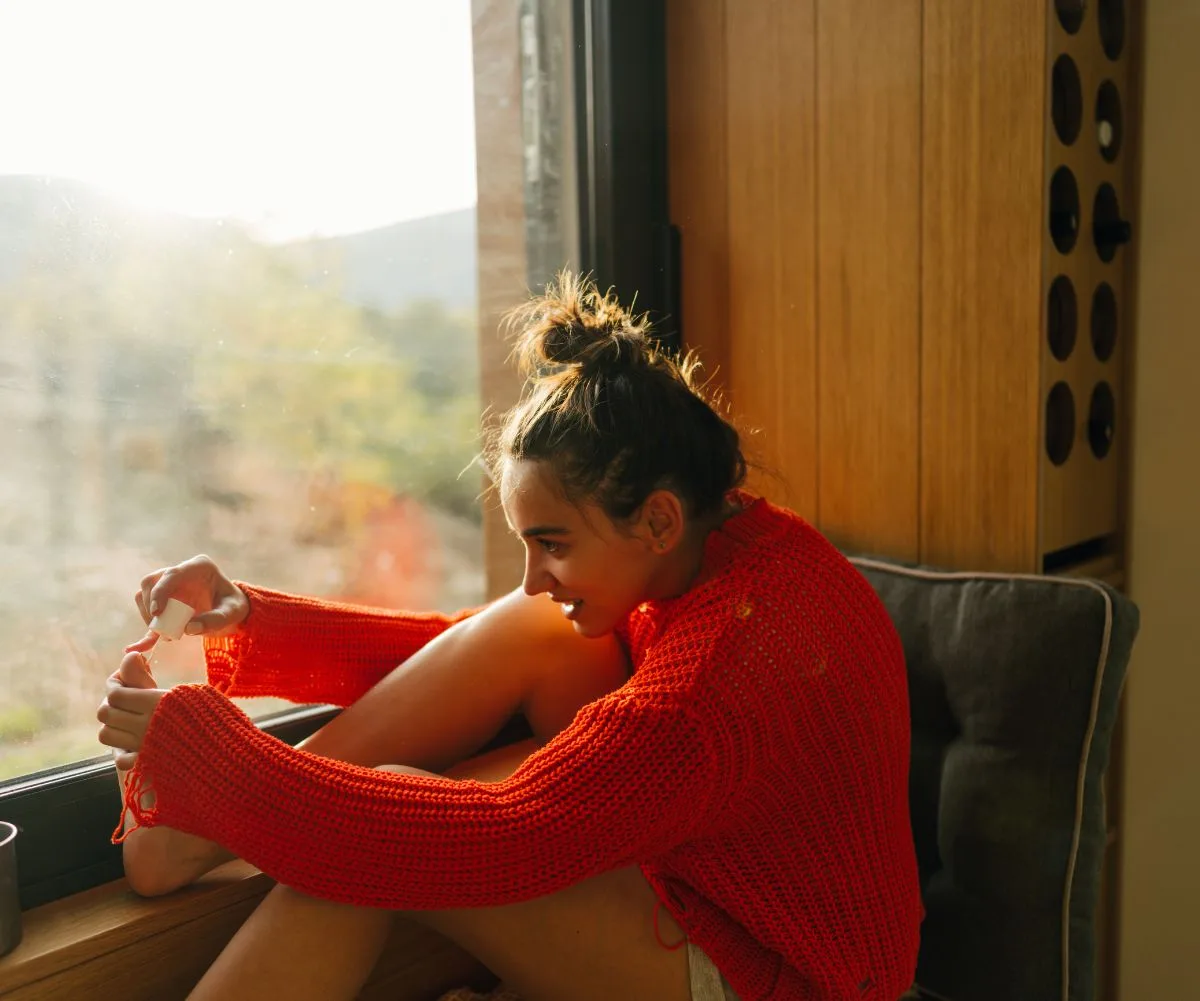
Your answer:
<point x="1087" y="236"/>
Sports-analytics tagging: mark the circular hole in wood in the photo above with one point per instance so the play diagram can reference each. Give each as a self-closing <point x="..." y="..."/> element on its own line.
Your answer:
<point x="1102" y="420"/>
<point x="1070" y="14"/>
<point x="1104" y="321"/>
<point x="1110" y="14"/>
<point x="1060" y="423"/>
<point x="1062" y="318"/>
<point x="1064" y="210"/>
<point x="1109" y="230"/>
<point x="1066" y="99"/>
<point x="1108" y="120"/>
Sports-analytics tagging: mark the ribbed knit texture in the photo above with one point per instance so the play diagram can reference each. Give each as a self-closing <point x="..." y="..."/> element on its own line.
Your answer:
<point x="755" y="766"/>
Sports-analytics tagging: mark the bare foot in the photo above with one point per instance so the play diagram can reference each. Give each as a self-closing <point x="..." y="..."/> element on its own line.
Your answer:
<point x="159" y="860"/>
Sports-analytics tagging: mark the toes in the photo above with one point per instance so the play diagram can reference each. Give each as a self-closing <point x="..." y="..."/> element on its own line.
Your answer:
<point x="134" y="672"/>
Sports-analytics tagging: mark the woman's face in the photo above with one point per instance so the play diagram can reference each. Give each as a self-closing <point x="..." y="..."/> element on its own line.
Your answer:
<point x="597" y="571"/>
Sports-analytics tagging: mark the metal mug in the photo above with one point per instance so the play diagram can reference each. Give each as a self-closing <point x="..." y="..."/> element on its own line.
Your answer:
<point x="10" y="905"/>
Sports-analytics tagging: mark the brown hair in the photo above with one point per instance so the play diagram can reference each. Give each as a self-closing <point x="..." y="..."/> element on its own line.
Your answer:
<point x="613" y="414"/>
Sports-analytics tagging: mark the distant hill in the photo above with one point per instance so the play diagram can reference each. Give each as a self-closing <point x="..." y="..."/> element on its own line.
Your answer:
<point x="429" y="258"/>
<point x="384" y="269"/>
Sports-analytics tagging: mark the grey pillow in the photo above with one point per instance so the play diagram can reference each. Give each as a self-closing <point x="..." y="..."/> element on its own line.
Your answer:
<point x="1014" y="682"/>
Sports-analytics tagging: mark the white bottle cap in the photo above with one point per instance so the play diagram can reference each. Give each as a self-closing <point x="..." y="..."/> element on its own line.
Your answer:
<point x="172" y="620"/>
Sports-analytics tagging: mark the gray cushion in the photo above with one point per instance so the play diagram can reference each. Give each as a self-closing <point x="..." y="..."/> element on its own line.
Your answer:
<point x="1014" y="683"/>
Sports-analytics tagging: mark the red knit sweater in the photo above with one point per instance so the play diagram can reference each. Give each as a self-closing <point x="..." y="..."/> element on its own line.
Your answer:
<point x="755" y="766"/>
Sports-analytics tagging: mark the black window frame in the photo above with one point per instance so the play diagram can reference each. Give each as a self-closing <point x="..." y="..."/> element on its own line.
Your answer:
<point x="627" y="239"/>
<point x="66" y="816"/>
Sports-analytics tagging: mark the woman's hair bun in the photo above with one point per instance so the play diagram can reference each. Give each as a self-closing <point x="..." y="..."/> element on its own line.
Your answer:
<point x="573" y="325"/>
<point x="612" y="414"/>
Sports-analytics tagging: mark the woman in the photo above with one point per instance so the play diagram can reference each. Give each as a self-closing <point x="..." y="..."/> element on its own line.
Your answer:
<point x="718" y="700"/>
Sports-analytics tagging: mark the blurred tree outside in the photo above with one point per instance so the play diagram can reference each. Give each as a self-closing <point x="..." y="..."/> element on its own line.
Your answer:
<point x="169" y="387"/>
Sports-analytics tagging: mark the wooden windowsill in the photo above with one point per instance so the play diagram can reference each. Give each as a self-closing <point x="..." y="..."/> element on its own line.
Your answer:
<point x="108" y="942"/>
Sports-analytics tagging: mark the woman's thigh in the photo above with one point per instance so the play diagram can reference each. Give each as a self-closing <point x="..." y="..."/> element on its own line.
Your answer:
<point x="594" y="941"/>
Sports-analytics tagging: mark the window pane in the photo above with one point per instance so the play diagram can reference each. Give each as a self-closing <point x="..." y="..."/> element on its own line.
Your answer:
<point x="239" y="315"/>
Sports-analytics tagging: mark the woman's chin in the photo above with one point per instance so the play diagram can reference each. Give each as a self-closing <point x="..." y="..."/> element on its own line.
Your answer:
<point x="591" y="627"/>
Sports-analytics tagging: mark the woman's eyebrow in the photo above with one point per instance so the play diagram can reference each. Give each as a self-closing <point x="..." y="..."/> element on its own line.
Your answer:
<point x="529" y="533"/>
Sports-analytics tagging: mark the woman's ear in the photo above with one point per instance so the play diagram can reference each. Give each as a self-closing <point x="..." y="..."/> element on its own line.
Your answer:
<point x="662" y="522"/>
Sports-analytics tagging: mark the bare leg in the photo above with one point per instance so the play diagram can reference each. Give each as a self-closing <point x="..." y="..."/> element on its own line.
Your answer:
<point x="437" y="708"/>
<point x="592" y="942"/>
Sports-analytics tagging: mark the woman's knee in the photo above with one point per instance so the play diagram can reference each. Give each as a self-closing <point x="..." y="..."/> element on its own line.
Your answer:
<point x="574" y="672"/>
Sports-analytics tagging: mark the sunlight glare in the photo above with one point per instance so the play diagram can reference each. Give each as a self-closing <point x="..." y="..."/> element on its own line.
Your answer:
<point x="325" y="118"/>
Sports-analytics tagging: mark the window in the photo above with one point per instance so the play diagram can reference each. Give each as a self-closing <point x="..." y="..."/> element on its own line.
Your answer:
<point x="248" y="261"/>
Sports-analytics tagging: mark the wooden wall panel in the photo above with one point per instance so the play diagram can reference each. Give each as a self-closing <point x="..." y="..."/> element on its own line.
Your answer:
<point x="868" y="264"/>
<point x="699" y="181"/>
<point x="770" y="58"/>
<point x="983" y="147"/>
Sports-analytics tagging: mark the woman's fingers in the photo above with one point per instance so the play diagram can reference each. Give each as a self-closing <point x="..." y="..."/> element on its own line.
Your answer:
<point x="220" y="605"/>
<point x="140" y="601"/>
<point x="140" y="702"/>
<point x="118" y="718"/>
<point x="145" y="599"/>
<point x="125" y="716"/>
<point x="120" y="721"/>
<point x="121" y="740"/>
<point x="144" y="644"/>
<point x="221" y="619"/>
<point x="167" y="586"/>
<point x="120" y="729"/>
<point x="194" y="582"/>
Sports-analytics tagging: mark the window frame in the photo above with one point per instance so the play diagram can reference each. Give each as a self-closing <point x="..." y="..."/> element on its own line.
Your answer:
<point x="627" y="239"/>
<point x="66" y="815"/>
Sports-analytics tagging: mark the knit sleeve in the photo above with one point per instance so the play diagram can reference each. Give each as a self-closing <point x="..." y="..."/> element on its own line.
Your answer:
<point x="310" y="650"/>
<point x="628" y="780"/>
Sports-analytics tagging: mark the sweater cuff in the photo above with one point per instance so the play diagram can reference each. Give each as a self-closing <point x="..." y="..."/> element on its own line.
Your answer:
<point x="227" y="657"/>
<point x="175" y="747"/>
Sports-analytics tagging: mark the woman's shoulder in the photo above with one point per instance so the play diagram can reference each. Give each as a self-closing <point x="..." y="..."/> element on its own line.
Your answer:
<point x="764" y="544"/>
<point x="766" y="570"/>
<point x="773" y="569"/>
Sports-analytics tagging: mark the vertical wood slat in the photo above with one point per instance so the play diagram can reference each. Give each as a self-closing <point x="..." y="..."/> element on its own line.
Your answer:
<point x="699" y="180"/>
<point x="868" y="131"/>
<point x="771" y="48"/>
<point x="981" y="232"/>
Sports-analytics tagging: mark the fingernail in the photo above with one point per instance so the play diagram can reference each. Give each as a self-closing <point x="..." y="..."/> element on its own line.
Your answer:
<point x="153" y="606"/>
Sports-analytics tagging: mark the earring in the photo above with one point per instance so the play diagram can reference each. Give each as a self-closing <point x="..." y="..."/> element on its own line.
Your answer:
<point x="662" y="544"/>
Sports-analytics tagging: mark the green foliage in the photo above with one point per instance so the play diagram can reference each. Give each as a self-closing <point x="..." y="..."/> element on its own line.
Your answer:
<point x="19" y="723"/>
<point x="203" y="321"/>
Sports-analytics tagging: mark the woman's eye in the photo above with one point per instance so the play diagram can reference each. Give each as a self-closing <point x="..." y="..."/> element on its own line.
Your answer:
<point x="549" y="545"/>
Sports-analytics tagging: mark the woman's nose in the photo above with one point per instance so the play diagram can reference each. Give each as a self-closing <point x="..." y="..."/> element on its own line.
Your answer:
<point x="537" y="580"/>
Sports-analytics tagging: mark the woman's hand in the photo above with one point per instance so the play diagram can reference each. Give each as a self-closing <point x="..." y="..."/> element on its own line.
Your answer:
<point x="126" y="710"/>
<point x="221" y="606"/>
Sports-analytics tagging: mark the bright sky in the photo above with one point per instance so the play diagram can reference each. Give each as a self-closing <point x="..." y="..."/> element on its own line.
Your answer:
<point x="297" y="117"/>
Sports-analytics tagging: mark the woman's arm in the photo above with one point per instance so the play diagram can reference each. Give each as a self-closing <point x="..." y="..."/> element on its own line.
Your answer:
<point x="311" y="650"/>
<point x="631" y="777"/>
